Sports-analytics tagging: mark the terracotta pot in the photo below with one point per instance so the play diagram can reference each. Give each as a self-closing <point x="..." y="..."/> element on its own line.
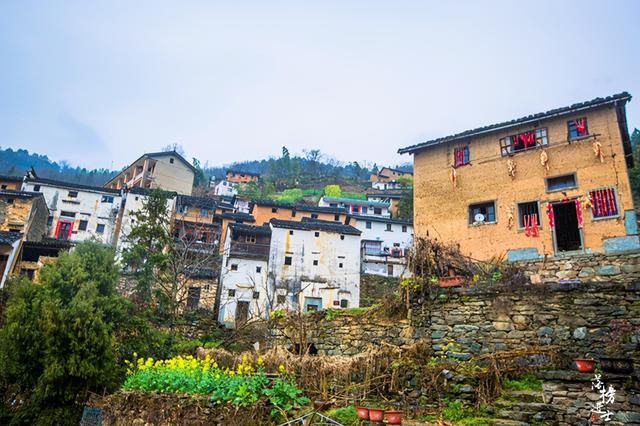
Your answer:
<point x="393" y="417"/>
<point x="376" y="415"/>
<point x="585" y="365"/>
<point x="450" y="281"/>
<point x="363" y="413"/>
<point x="617" y="365"/>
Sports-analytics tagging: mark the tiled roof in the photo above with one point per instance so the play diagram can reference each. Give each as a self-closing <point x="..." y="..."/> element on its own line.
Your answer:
<point x="237" y="216"/>
<point x="387" y="193"/>
<point x="20" y="194"/>
<point x="308" y="224"/>
<point x="594" y="103"/>
<point x="381" y="219"/>
<point x="8" y="238"/>
<point x="50" y="243"/>
<point x="202" y="202"/>
<point x="11" y="178"/>
<point x="62" y="184"/>
<point x="300" y="207"/>
<point x="250" y="229"/>
<point x="354" y="201"/>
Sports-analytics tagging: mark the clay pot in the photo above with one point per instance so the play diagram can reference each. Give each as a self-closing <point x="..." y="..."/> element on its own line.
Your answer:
<point x="393" y="417"/>
<point x="376" y="415"/>
<point x="363" y="413"/>
<point x="617" y="365"/>
<point x="585" y="365"/>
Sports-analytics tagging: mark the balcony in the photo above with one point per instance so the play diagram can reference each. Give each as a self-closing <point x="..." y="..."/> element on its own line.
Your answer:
<point x="251" y="250"/>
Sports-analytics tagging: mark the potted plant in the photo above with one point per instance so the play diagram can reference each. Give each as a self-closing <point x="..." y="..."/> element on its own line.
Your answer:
<point x="619" y="338"/>
<point x="376" y="414"/>
<point x="394" y="417"/>
<point x="585" y="365"/>
<point x="363" y="412"/>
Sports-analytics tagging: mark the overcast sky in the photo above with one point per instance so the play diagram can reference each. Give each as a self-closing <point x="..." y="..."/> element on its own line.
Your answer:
<point x="99" y="83"/>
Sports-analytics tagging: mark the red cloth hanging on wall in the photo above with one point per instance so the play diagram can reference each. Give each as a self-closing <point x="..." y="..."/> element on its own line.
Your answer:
<point x="552" y="223"/>
<point x="579" y="214"/>
<point x="581" y="126"/>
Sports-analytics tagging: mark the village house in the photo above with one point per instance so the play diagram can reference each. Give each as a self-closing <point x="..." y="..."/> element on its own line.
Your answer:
<point x="307" y="265"/>
<point x="226" y="188"/>
<point x="358" y="207"/>
<point x="77" y="212"/>
<point x="552" y="183"/>
<point x="237" y="176"/>
<point x="385" y="243"/>
<point x="265" y="210"/>
<point x="388" y="178"/>
<point x="228" y="218"/>
<point x="11" y="182"/>
<point x="391" y="197"/>
<point x="164" y="170"/>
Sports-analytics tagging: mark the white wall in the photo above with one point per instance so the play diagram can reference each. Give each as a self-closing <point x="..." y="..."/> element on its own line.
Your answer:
<point x="225" y="188"/>
<point x="245" y="280"/>
<point x="365" y="209"/>
<point x="87" y="206"/>
<point x="327" y="280"/>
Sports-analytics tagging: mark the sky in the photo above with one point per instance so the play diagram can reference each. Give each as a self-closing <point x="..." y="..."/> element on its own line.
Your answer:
<point x="98" y="83"/>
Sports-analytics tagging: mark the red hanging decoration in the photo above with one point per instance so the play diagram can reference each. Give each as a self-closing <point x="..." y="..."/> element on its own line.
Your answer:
<point x="526" y="225"/>
<point x="581" y="126"/>
<point x="534" y="229"/>
<point x="579" y="214"/>
<point x="552" y="224"/>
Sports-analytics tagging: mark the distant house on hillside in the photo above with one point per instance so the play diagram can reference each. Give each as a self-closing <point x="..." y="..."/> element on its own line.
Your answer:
<point x="358" y="207"/>
<point x="225" y="188"/>
<point x="387" y="178"/>
<point x="238" y="176"/>
<point x="164" y="170"/>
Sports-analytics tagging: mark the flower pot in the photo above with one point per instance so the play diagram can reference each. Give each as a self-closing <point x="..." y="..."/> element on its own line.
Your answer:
<point x="376" y="415"/>
<point x="363" y="413"/>
<point x="585" y="365"/>
<point x="450" y="281"/>
<point x="393" y="417"/>
<point x="617" y="365"/>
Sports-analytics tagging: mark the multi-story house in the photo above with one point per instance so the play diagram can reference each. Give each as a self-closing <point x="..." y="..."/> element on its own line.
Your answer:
<point x="238" y="176"/>
<point x="226" y="188"/>
<point x="77" y="212"/>
<point x="357" y="207"/>
<point x="293" y="265"/>
<point x="552" y="183"/>
<point x="384" y="243"/>
<point x="391" y="197"/>
<point x="265" y="210"/>
<point x="387" y="178"/>
<point x="164" y="170"/>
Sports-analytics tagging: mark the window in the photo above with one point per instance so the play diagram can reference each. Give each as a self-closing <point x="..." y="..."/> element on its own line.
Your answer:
<point x="290" y="232"/>
<point x="204" y="212"/>
<point x="604" y="203"/>
<point x="558" y="183"/>
<point x="355" y="209"/>
<point x="258" y="269"/>
<point x="342" y="237"/>
<point x="317" y="234"/>
<point x="315" y="263"/>
<point x="73" y="194"/>
<point x="577" y="128"/>
<point x="314" y="216"/>
<point x="482" y="213"/>
<point x="368" y="225"/>
<point x="67" y="214"/>
<point x="389" y="227"/>
<point x="344" y="303"/>
<point x="256" y="295"/>
<point x="3" y="187"/>
<point x="287" y="260"/>
<point x="373" y="248"/>
<point x="529" y="215"/>
<point x="523" y="141"/>
<point x="107" y="199"/>
<point x="336" y="217"/>
<point x="9" y="200"/>
<point x="231" y="293"/>
<point x="281" y="298"/>
<point x="250" y="239"/>
<point x="339" y="265"/>
<point x="50" y="221"/>
<point x="100" y="228"/>
<point x="171" y="160"/>
<point x="460" y="156"/>
<point x="36" y="188"/>
<point x="274" y="210"/>
<point x="234" y="266"/>
<point x="377" y="210"/>
<point x="82" y="226"/>
<point x="404" y="228"/>
<point x="293" y="213"/>
<point x="182" y="209"/>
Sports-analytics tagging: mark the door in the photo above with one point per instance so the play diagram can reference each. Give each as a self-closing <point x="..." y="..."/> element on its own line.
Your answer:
<point x="64" y="230"/>
<point x="567" y="234"/>
<point x="193" y="298"/>
<point x="390" y="270"/>
<point x="242" y="313"/>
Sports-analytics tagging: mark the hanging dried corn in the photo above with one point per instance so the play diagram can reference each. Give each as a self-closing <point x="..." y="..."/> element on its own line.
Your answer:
<point x="544" y="160"/>
<point x="511" y="168"/>
<point x="597" y="150"/>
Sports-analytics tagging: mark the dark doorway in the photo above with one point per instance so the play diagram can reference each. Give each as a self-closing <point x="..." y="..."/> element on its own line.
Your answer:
<point x="567" y="233"/>
<point x="193" y="298"/>
<point x="242" y="313"/>
<point x="64" y="230"/>
<point x="390" y="270"/>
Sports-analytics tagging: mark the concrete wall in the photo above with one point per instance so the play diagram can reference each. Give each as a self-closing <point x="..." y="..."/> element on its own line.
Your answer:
<point x="441" y="211"/>
<point x="327" y="280"/>
<point x="87" y="206"/>
<point x="172" y="177"/>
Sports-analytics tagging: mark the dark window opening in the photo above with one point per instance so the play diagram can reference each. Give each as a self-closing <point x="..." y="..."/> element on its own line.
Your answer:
<point x="315" y="263"/>
<point x="82" y="226"/>
<point x="317" y="234"/>
<point x="67" y="214"/>
<point x="274" y="210"/>
<point x="603" y="203"/>
<point x="293" y="213"/>
<point x="523" y="141"/>
<point x="258" y="269"/>
<point x="288" y="260"/>
<point x="460" y="156"/>
<point x="482" y="213"/>
<point x="529" y="215"/>
<point x="281" y="298"/>
<point x="36" y="188"/>
<point x="388" y="227"/>
<point x="336" y="217"/>
<point x="231" y="293"/>
<point x="404" y="228"/>
<point x="290" y="232"/>
<point x="314" y="216"/>
<point x="100" y="228"/>
<point x="377" y="210"/>
<point x="340" y="265"/>
<point x="342" y="237"/>
<point x="234" y="266"/>
<point x="256" y="295"/>
<point x="107" y="199"/>
<point x="577" y="128"/>
<point x="344" y="303"/>
<point x="171" y="160"/>
<point x="9" y="200"/>
<point x="73" y="194"/>
<point x="558" y="183"/>
<point x="368" y="225"/>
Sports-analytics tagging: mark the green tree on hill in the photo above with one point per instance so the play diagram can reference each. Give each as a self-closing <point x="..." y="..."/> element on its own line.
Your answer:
<point x="332" y="191"/>
<point x="405" y="206"/>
